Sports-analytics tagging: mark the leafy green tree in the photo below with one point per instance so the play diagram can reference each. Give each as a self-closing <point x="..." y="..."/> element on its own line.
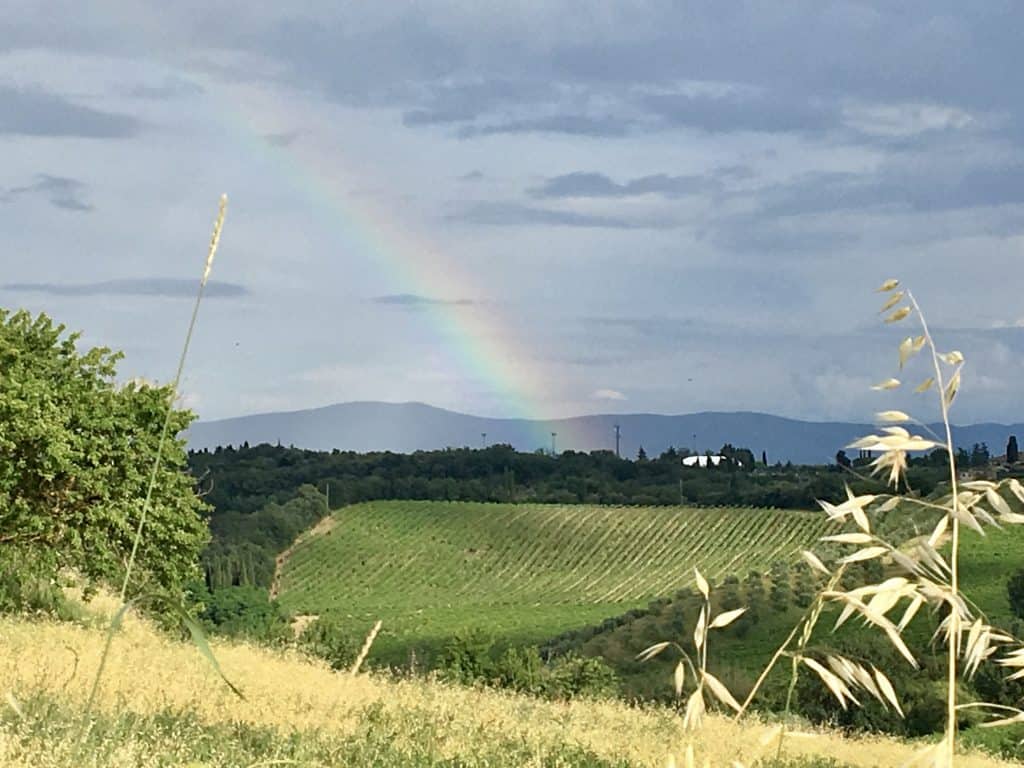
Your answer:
<point x="1012" y="451"/>
<point x="76" y="454"/>
<point x="781" y="592"/>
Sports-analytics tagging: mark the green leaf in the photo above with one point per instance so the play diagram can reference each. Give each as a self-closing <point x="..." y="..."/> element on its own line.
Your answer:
<point x="200" y="641"/>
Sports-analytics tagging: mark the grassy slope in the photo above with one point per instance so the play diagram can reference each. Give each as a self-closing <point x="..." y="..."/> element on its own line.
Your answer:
<point x="523" y="572"/>
<point x="160" y="704"/>
<point x="986" y="565"/>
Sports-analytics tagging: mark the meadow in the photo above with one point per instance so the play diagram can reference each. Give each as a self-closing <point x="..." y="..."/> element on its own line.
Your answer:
<point x="160" y="704"/>
<point x="522" y="573"/>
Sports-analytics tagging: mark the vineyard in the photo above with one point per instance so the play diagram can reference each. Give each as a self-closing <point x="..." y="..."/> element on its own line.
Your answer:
<point x="521" y="572"/>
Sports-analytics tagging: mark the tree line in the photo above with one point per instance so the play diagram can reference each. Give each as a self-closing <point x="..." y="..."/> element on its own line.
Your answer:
<point x="263" y="496"/>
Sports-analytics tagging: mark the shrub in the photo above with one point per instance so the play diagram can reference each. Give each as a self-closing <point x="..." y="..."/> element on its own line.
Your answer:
<point x="332" y="640"/>
<point x="575" y="676"/>
<point x="521" y="669"/>
<point x="466" y="657"/>
<point x="244" y="612"/>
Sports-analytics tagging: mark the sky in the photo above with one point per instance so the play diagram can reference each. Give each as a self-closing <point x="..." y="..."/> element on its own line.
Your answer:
<point x="535" y="209"/>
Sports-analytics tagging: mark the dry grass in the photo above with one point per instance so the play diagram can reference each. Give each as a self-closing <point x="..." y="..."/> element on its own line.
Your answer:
<point x="149" y="674"/>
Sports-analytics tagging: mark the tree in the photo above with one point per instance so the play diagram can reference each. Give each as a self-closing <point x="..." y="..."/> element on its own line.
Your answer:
<point x="76" y="454"/>
<point x="1012" y="452"/>
<point x="979" y="455"/>
<point x="746" y="458"/>
<point x="842" y="459"/>
<point x="641" y="455"/>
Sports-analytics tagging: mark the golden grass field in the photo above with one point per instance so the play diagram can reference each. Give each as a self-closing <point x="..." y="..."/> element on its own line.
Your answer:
<point x="149" y="674"/>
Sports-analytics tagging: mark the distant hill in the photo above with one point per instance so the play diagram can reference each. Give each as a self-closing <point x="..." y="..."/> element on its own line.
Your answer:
<point x="407" y="427"/>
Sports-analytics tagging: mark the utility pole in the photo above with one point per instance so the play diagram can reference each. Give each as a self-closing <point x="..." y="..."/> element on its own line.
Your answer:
<point x="617" y="435"/>
<point x="553" y="436"/>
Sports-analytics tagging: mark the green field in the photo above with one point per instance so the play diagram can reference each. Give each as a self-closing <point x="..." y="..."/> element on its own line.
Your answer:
<point x="522" y="572"/>
<point x="986" y="564"/>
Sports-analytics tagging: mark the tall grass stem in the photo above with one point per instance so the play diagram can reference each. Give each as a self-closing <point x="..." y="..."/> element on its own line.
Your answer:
<point x="147" y="501"/>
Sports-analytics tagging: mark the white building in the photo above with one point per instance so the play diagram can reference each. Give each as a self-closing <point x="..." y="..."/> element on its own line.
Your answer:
<point x="702" y="461"/>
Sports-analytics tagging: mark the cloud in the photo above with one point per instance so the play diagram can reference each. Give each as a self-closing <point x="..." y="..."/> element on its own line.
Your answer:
<point x="515" y="214"/>
<point x="582" y="184"/>
<point x="171" y="87"/>
<point x="167" y="287"/>
<point x="760" y="112"/>
<point x="569" y="124"/>
<point x="414" y="300"/>
<point x="917" y="186"/>
<point x="284" y="139"/>
<point x="766" y="235"/>
<point x="33" y="112"/>
<point x="60" y="191"/>
<point x="608" y="394"/>
<point x="447" y="102"/>
<point x="472" y="176"/>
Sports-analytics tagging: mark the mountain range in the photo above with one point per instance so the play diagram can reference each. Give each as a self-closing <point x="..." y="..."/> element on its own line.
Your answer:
<point x="407" y="427"/>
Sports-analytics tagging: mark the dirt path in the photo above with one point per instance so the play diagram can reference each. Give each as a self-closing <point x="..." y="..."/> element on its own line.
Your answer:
<point x="320" y="529"/>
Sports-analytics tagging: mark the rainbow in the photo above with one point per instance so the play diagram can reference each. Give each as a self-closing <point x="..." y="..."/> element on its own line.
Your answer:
<point x="474" y="341"/>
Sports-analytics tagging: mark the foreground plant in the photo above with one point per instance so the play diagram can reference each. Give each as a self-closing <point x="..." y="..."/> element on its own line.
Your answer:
<point x="696" y="703"/>
<point x="922" y="575"/>
<point x="165" y="602"/>
<point x="919" y="572"/>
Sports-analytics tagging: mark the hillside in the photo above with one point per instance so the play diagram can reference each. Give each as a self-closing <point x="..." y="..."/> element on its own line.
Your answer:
<point x="741" y="651"/>
<point x="407" y="427"/>
<point x="160" y="705"/>
<point x="521" y="572"/>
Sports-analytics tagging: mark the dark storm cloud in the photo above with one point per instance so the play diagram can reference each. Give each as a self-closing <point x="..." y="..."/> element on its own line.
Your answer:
<point x="584" y="184"/>
<point x="167" y="287"/>
<point x="414" y="300"/>
<point x="795" y="65"/>
<point x="515" y="214"/>
<point x="33" y="112"/>
<point x="59" y="191"/>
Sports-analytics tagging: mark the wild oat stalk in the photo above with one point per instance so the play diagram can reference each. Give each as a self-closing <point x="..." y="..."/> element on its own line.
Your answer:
<point x="146" y="503"/>
<point x="925" y="576"/>
<point x="696" y="705"/>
